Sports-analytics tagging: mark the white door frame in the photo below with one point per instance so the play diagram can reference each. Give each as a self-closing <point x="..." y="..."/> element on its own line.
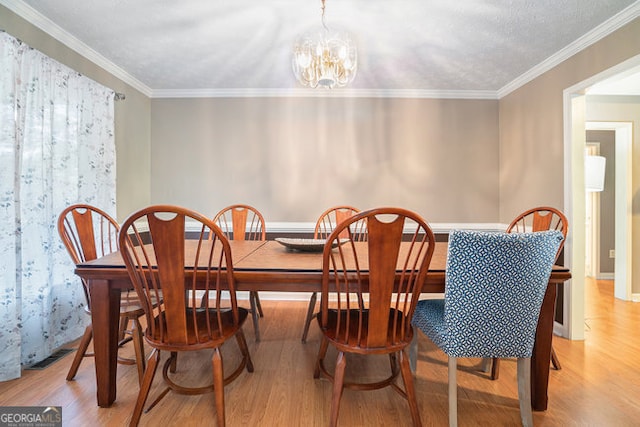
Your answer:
<point x="574" y="127"/>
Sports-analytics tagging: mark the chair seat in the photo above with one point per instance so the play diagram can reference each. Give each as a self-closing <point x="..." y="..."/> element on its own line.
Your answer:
<point x="208" y="334"/>
<point x="129" y="302"/>
<point x="129" y="305"/>
<point x="332" y="333"/>
<point x="429" y="318"/>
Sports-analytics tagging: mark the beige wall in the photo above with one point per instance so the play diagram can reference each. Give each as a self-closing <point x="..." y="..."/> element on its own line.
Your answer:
<point x="293" y="157"/>
<point x="132" y="125"/>
<point x="531" y="124"/>
<point x="606" y="140"/>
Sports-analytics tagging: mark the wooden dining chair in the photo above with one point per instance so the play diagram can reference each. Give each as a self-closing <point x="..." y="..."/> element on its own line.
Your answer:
<point x="369" y="293"/>
<point x="495" y="285"/>
<point x="244" y="222"/>
<point x="541" y="218"/>
<point x="161" y="262"/>
<point x="89" y="233"/>
<point x="326" y="223"/>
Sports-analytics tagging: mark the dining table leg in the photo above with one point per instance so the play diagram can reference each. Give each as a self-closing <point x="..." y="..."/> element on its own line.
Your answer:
<point x="541" y="357"/>
<point x="105" y="317"/>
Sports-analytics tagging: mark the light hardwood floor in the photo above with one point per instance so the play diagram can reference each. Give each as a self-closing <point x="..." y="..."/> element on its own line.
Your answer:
<point x="599" y="384"/>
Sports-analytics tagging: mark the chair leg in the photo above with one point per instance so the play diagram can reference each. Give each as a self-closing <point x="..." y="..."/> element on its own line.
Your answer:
<point x="407" y="377"/>
<point x="244" y="349"/>
<point x="82" y="349"/>
<point x="149" y="373"/>
<point x="203" y="300"/>
<point x="524" y="390"/>
<point x="554" y="360"/>
<point x="174" y="362"/>
<point x="485" y="364"/>
<point x="324" y="344"/>
<point x="310" y="316"/>
<point x="218" y="385"/>
<point x="122" y="328"/>
<point x="138" y="346"/>
<point x="254" y="316"/>
<point x="495" y="369"/>
<point x="393" y="362"/>
<point x="254" y="295"/>
<point x="413" y="351"/>
<point x="338" y="383"/>
<point x="453" y="392"/>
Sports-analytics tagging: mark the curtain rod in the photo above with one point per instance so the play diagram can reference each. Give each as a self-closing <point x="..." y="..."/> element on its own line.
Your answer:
<point x="119" y="96"/>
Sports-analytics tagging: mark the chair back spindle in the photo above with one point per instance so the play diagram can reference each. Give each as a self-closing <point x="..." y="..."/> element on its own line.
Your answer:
<point x="241" y="222"/>
<point x="329" y="219"/>
<point x="541" y="218"/>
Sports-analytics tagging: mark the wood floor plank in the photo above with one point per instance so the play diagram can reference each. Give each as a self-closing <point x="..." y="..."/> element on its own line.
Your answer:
<point x="598" y="385"/>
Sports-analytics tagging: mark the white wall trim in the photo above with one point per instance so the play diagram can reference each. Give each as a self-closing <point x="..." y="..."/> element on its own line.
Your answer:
<point x="333" y="93"/>
<point x="308" y="227"/>
<point x="304" y="296"/>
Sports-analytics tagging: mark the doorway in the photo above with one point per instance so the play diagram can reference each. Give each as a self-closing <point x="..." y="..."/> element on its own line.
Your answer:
<point x="575" y="123"/>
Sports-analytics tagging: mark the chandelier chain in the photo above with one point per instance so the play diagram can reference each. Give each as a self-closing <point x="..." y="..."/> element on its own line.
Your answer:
<point x="323" y="21"/>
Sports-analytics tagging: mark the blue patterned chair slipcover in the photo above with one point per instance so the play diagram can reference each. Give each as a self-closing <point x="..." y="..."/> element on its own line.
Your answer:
<point x="495" y="283"/>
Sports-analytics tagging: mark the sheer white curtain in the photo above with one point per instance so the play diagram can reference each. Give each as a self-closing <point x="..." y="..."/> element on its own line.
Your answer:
<point x="56" y="148"/>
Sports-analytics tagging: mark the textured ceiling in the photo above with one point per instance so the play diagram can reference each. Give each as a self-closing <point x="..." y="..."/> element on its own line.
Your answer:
<point x="412" y="45"/>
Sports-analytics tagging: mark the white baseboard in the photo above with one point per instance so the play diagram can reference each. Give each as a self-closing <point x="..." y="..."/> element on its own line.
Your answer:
<point x="304" y="296"/>
<point x="277" y="296"/>
<point x="560" y="330"/>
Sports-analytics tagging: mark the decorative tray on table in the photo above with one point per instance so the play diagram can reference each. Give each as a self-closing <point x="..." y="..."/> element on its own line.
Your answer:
<point x="304" y="245"/>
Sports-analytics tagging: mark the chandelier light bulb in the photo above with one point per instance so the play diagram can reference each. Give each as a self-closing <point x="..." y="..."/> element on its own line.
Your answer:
<point x="325" y="59"/>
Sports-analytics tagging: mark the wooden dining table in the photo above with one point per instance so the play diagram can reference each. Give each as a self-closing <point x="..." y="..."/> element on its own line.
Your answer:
<point x="269" y="266"/>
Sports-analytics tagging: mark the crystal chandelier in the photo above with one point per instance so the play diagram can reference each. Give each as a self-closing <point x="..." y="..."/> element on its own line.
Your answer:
<point x="325" y="59"/>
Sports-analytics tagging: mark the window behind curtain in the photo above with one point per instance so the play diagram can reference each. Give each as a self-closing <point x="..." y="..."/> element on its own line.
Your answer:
<point x="56" y="148"/>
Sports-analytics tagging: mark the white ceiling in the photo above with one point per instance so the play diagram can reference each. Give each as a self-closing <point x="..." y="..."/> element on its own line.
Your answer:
<point x="481" y="48"/>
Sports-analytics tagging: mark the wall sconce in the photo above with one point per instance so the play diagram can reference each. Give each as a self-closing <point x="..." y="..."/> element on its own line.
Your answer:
<point x="594" y="167"/>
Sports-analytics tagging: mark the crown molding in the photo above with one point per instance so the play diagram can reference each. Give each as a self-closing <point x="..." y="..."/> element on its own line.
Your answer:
<point x="329" y="93"/>
<point x="52" y="29"/>
<point x="601" y="31"/>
